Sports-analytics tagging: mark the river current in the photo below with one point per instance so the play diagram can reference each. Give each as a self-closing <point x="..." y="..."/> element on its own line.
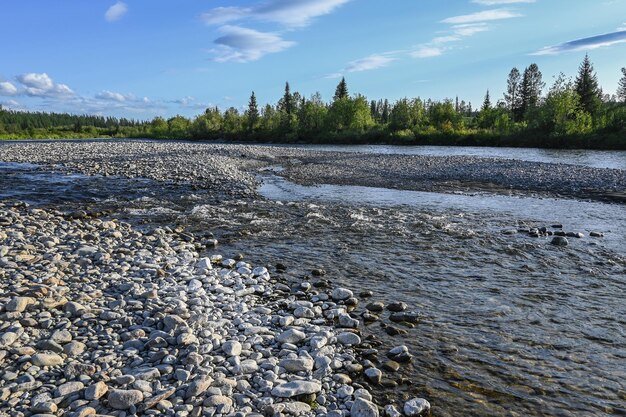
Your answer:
<point x="511" y="325"/>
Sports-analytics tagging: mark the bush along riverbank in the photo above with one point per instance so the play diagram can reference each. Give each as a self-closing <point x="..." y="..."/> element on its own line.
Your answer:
<point x="571" y="114"/>
<point x="98" y="317"/>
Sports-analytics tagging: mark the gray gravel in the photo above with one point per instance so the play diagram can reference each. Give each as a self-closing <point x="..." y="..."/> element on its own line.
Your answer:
<point x="97" y="317"/>
<point x="230" y="169"/>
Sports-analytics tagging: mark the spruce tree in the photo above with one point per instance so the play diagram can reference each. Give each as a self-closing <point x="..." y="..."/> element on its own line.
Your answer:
<point x="532" y="84"/>
<point x="342" y="90"/>
<point x="512" y="95"/>
<point x="385" y="112"/>
<point x="253" y="112"/>
<point x="286" y="103"/>
<point x="587" y="87"/>
<point x="487" y="102"/>
<point x="621" y="87"/>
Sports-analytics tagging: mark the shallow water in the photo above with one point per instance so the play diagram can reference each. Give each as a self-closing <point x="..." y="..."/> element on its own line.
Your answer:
<point x="512" y="326"/>
<point x="592" y="158"/>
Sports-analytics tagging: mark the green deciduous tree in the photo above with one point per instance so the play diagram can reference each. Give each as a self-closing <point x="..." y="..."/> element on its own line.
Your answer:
<point x="562" y="113"/>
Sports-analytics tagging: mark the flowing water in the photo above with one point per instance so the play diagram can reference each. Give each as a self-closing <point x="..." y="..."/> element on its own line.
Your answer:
<point x="512" y="326"/>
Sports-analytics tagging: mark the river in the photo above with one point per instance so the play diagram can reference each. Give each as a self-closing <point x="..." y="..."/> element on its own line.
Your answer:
<point x="511" y="325"/>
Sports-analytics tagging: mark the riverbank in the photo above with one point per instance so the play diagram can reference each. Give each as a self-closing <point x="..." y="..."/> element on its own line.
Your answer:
<point x="230" y="169"/>
<point x="500" y="306"/>
<point x="98" y="317"/>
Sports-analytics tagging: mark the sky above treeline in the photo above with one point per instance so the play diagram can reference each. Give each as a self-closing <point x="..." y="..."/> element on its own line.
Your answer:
<point x="142" y="58"/>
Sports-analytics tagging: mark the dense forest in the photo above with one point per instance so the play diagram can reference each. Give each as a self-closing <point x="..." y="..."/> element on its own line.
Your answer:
<point x="571" y="113"/>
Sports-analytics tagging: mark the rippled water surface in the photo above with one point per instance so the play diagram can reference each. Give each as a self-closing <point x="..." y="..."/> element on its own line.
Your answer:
<point x="592" y="158"/>
<point x="512" y="326"/>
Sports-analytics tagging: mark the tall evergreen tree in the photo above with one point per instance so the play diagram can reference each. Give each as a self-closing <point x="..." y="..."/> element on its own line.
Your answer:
<point x="587" y="87"/>
<point x="486" y="102"/>
<point x="253" y="112"/>
<point x="342" y="90"/>
<point x="532" y="84"/>
<point x="621" y="87"/>
<point x="385" y="112"/>
<point x="512" y="95"/>
<point x="286" y="103"/>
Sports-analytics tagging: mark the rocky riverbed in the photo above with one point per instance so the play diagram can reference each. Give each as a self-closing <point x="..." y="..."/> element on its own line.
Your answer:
<point x="100" y="318"/>
<point x="229" y="170"/>
<point x="131" y="298"/>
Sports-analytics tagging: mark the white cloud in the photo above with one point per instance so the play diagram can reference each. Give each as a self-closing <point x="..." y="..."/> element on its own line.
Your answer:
<point x="113" y="96"/>
<point x="34" y="80"/>
<point x="291" y="13"/>
<point x="41" y="85"/>
<point x="497" y="2"/>
<point x="12" y="104"/>
<point x="484" y="16"/>
<point x="241" y="44"/>
<point x="7" y="89"/>
<point x="116" y="12"/>
<point x="585" y="44"/>
<point x="427" y="52"/>
<point x="371" y="62"/>
<point x="470" y="29"/>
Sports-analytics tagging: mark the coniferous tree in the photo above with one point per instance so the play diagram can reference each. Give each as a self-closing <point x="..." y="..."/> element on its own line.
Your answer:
<point x="512" y="95"/>
<point x="532" y="84"/>
<point x="486" y="102"/>
<point x="286" y="103"/>
<point x="342" y="90"/>
<point x="385" y="112"/>
<point x="621" y="87"/>
<point x="253" y="113"/>
<point x="587" y="87"/>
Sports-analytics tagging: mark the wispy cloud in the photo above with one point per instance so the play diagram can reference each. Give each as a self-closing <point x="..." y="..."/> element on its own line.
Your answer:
<point x="116" y="12"/>
<point x="7" y="89"/>
<point x="368" y="63"/>
<point x="371" y="62"/>
<point x="484" y="16"/>
<point x="585" y="44"/>
<point x="427" y="52"/>
<point x="241" y="44"/>
<point x="244" y="44"/>
<point x="113" y="96"/>
<point x="498" y="2"/>
<point x="290" y="13"/>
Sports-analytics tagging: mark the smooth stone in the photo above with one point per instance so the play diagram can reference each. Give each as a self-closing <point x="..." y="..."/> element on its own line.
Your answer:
<point x="291" y="336"/>
<point x="363" y="408"/>
<point x="297" y="365"/>
<point x="124" y="399"/>
<point x="198" y="386"/>
<point x="96" y="391"/>
<point x="293" y="388"/>
<point x="231" y="348"/>
<point x="68" y="388"/>
<point x="376" y="307"/>
<point x="416" y="407"/>
<point x="374" y="375"/>
<point x="559" y="241"/>
<point x="47" y="359"/>
<point x="392" y="411"/>
<point x="19" y="304"/>
<point x="348" y="339"/>
<point x="397" y="307"/>
<point x="340" y="294"/>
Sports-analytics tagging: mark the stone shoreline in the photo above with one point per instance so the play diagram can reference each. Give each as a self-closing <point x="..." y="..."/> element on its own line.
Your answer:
<point x="99" y="318"/>
<point x="230" y="169"/>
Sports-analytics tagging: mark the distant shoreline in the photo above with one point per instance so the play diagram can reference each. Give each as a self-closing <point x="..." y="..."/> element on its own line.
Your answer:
<point x="591" y="142"/>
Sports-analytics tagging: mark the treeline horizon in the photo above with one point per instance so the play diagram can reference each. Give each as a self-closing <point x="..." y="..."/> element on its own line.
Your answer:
<point x="572" y="113"/>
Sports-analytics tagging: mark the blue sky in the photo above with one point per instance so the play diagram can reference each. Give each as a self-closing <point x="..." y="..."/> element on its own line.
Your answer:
<point x="141" y="58"/>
